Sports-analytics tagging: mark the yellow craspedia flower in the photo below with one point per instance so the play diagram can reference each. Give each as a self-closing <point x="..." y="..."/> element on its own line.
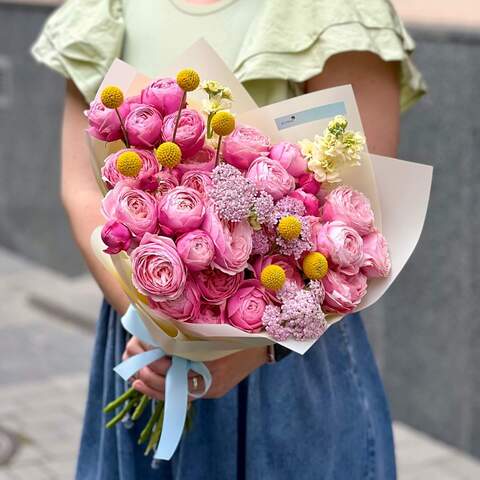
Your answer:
<point x="273" y="277"/>
<point x="129" y="164"/>
<point x="315" y="266"/>
<point x="223" y="123"/>
<point x="111" y="96"/>
<point x="188" y="79"/>
<point x="289" y="227"/>
<point x="168" y="154"/>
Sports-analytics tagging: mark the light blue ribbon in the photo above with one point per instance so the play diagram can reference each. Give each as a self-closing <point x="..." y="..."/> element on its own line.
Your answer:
<point x="176" y="383"/>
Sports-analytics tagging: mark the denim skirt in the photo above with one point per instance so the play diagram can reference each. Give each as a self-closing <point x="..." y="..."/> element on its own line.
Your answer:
<point x="320" y="416"/>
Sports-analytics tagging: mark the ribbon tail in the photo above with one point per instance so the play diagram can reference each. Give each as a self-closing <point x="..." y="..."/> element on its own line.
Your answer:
<point x="131" y="366"/>
<point x="175" y="413"/>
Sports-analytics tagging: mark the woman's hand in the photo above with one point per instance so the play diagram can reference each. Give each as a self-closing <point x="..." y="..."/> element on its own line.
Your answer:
<point x="226" y="372"/>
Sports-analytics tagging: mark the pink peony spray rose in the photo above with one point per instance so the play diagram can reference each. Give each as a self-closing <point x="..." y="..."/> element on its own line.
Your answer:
<point x="244" y="145"/>
<point x="198" y="180"/>
<point x="377" y="261"/>
<point x="212" y="314"/>
<point x="196" y="249"/>
<point x="166" y="181"/>
<point x="164" y="94"/>
<point x="308" y="183"/>
<point x="185" y="308"/>
<point x="290" y="158"/>
<point x="202" y="161"/>
<point x="268" y="175"/>
<point x="216" y="286"/>
<point x="116" y="236"/>
<point x="351" y="207"/>
<point x="342" y="246"/>
<point x="311" y="202"/>
<point x="157" y="269"/>
<point x="190" y="133"/>
<point x="180" y="210"/>
<point x="233" y="242"/>
<point x="104" y="123"/>
<point x="135" y="208"/>
<point x="343" y="293"/>
<point x="144" y="126"/>
<point x="111" y="176"/>
<point x="245" y="309"/>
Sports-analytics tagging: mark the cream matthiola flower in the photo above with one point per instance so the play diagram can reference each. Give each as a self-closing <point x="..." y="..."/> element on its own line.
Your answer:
<point x="335" y="148"/>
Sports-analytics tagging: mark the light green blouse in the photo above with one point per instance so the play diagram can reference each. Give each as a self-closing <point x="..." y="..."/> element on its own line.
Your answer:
<point x="273" y="46"/>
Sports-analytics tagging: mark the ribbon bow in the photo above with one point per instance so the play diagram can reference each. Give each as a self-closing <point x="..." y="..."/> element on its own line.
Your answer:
<point x="176" y="383"/>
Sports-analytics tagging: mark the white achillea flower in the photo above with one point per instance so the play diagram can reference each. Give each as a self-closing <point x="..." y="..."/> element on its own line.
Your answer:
<point x="215" y="104"/>
<point x="336" y="148"/>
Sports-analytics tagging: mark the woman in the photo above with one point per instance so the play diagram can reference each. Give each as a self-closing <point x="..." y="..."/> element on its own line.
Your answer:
<point x="322" y="415"/>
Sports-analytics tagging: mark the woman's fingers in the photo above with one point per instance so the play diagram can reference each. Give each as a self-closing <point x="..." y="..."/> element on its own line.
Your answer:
<point x="161" y="366"/>
<point x="145" y="389"/>
<point x="152" y="380"/>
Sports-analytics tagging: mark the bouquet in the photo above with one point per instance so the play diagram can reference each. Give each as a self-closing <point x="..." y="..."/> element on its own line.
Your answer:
<point x="228" y="232"/>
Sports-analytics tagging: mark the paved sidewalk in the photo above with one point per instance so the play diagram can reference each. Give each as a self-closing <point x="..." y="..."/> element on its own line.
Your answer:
<point x="45" y="343"/>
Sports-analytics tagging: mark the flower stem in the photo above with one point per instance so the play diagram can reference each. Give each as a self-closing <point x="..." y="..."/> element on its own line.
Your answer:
<point x="140" y="408"/>
<point x="177" y="120"/>
<point x="151" y="423"/>
<point x="217" y="156"/>
<point x="119" y="400"/>
<point x="122" y="127"/>
<point x="122" y="413"/>
<point x="155" y="436"/>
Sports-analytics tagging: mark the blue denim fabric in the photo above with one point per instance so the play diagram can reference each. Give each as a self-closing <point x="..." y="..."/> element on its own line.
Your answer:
<point x="319" y="416"/>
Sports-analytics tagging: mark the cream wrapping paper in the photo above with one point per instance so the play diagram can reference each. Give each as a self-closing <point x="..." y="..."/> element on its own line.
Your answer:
<point x="398" y="191"/>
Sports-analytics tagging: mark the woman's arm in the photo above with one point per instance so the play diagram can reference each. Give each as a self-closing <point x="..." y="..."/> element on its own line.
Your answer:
<point x="81" y="196"/>
<point x="377" y="92"/>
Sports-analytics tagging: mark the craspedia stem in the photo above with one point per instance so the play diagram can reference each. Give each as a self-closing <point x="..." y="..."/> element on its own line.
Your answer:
<point x="177" y="120"/>
<point x="119" y="400"/>
<point x="122" y="413"/>
<point x="151" y="422"/>
<point x="122" y="128"/>
<point x="217" y="156"/>
<point x="137" y="413"/>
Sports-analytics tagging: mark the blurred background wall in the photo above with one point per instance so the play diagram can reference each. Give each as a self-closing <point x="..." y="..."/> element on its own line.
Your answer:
<point x="425" y="332"/>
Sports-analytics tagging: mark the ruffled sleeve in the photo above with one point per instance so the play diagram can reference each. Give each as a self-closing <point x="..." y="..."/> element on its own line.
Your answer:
<point x="80" y="40"/>
<point x="293" y="40"/>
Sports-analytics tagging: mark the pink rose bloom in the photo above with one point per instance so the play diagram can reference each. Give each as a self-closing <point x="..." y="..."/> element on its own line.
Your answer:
<point x="144" y="126"/>
<point x="202" y="161"/>
<point x="268" y="175"/>
<point x="136" y="209"/>
<point x="342" y="245"/>
<point x="212" y="314"/>
<point x="245" y="309"/>
<point x="185" y="308"/>
<point x="377" y="261"/>
<point x="196" y="249"/>
<point x="198" y="180"/>
<point x="190" y="133"/>
<point x="311" y="202"/>
<point x="104" y="123"/>
<point x="244" y="145"/>
<point x="233" y="242"/>
<point x="166" y="181"/>
<point x="308" y="183"/>
<point x="158" y="270"/>
<point x="216" y="286"/>
<point x="351" y="207"/>
<point x="116" y="236"/>
<point x="180" y="210"/>
<point x="111" y="176"/>
<point x="290" y="158"/>
<point x="287" y="263"/>
<point x="164" y="94"/>
<point x="343" y="293"/>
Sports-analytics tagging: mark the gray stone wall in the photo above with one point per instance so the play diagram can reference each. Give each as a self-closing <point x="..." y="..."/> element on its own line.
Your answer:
<point x="425" y="331"/>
